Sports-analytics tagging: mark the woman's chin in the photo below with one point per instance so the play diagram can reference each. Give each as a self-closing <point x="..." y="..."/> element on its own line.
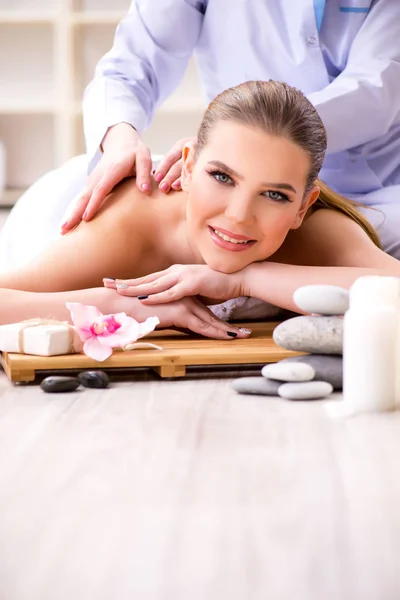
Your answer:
<point x="225" y="266"/>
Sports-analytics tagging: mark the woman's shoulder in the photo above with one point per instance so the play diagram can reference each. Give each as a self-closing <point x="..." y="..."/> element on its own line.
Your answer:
<point x="127" y="204"/>
<point x="326" y="238"/>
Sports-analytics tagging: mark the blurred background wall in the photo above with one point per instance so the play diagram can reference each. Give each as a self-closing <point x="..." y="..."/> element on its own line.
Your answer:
<point x="48" y="52"/>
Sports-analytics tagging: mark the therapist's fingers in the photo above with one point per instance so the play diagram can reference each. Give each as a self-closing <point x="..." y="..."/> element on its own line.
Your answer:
<point x="99" y="184"/>
<point x="166" y="163"/>
<point x="100" y="187"/>
<point x="177" y="185"/>
<point x="171" y="158"/>
<point x="143" y="168"/>
<point x="75" y="217"/>
<point x="172" y="177"/>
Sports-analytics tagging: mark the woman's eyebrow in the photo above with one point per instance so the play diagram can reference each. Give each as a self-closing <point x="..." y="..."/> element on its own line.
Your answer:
<point x="224" y="167"/>
<point x="229" y="171"/>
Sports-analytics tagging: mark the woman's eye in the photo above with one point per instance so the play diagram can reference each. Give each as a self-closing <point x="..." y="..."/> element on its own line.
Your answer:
<point x="221" y="177"/>
<point x="278" y="196"/>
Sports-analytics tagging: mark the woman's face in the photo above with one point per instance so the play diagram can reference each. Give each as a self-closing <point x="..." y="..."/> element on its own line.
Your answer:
<point x="245" y="193"/>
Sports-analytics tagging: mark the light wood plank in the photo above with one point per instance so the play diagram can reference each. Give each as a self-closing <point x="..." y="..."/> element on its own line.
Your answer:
<point x="178" y="352"/>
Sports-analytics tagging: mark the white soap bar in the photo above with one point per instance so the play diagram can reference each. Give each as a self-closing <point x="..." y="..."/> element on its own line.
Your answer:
<point x="374" y="291"/>
<point x="40" y="340"/>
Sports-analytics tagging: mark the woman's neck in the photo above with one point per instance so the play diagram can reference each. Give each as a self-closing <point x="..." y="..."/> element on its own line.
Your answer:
<point x="171" y="240"/>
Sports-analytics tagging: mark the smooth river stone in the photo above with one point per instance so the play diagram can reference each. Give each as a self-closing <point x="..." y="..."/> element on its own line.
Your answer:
<point x="94" y="379"/>
<point x="327" y="367"/>
<point x="288" y="371"/>
<point x="305" y="390"/>
<point x="57" y="384"/>
<point x="318" y="335"/>
<point x="322" y="299"/>
<point x="256" y="385"/>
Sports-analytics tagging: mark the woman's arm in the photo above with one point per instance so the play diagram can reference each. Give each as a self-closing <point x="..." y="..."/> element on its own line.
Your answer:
<point x="187" y="314"/>
<point x="335" y="250"/>
<point x="276" y="283"/>
<point x="16" y="305"/>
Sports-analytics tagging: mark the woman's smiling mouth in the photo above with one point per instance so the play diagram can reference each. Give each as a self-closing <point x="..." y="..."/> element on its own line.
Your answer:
<point x="230" y="241"/>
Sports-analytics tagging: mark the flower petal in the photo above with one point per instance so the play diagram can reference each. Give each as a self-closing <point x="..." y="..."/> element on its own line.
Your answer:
<point x="130" y="331"/>
<point x="120" y="338"/>
<point x="94" y="349"/>
<point x="148" y="326"/>
<point x="83" y="316"/>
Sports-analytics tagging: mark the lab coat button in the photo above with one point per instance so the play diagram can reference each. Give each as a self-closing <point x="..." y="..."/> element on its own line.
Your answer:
<point x="312" y="39"/>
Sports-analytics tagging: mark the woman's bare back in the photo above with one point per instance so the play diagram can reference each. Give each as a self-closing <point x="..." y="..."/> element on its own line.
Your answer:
<point x="132" y="235"/>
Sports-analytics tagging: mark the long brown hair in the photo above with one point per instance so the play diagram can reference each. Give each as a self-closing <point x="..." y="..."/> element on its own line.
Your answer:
<point x="279" y="109"/>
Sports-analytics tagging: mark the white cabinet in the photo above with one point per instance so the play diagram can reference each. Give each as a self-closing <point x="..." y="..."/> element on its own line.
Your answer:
<point x="48" y="52"/>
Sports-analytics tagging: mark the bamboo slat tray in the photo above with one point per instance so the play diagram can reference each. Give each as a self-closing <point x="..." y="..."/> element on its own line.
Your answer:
<point x="179" y="351"/>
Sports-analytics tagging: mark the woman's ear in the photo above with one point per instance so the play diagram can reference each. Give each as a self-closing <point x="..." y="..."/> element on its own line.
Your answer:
<point x="309" y="199"/>
<point x="188" y="153"/>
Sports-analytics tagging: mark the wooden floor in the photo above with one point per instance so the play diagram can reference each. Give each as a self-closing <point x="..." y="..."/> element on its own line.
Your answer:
<point x="184" y="490"/>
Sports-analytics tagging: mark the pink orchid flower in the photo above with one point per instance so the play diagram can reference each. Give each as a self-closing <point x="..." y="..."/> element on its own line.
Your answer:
<point x="101" y="333"/>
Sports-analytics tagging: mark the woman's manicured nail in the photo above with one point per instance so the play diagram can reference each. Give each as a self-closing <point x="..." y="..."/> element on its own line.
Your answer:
<point x="109" y="279"/>
<point x="176" y="186"/>
<point x="145" y="187"/>
<point x="122" y="286"/>
<point x="142" y="297"/>
<point x="158" y="177"/>
<point x="232" y="333"/>
<point x="164" y="187"/>
<point x="84" y="216"/>
<point x="64" y="225"/>
<point x="244" y="330"/>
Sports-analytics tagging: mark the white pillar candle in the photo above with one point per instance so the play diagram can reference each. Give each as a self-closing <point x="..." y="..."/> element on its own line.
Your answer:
<point x="378" y="291"/>
<point x="369" y="359"/>
<point x="374" y="291"/>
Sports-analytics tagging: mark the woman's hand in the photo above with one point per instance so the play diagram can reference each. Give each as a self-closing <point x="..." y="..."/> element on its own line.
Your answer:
<point x="188" y="315"/>
<point x="180" y="281"/>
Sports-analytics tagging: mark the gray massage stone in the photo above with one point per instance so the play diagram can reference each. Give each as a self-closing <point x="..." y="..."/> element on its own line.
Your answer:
<point x="94" y="379"/>
<point x="57" y="384"/>
<point x="288" y="372"/>
<point x="317" y="335"/>
<point x="322" y="299"/>
<point x="260" y="386"/>
<point x="305" y="390"/>
<point x="327" y="367"/>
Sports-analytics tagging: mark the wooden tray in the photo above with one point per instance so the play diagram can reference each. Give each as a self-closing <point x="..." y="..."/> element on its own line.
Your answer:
<point x="179" y="351"/>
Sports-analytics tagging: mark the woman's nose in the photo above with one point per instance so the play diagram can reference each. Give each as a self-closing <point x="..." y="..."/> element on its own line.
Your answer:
<point x="240" y="209"/>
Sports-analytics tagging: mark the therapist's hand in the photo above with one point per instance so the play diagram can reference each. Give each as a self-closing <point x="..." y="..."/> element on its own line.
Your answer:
<point x="124" y="155"/>
<point x="168" y="172"/>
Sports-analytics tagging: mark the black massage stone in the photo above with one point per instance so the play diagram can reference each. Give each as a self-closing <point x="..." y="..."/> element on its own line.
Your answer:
<point x="94" y="379"/>
<point x="56" y="384"/>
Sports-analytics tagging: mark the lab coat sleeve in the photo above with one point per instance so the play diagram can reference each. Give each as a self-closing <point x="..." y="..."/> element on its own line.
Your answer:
<point x="363" y="102"/>
<point x="151" y="50"/>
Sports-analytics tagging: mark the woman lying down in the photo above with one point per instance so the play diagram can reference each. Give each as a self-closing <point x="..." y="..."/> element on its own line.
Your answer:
<point x="252" y="220"/>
